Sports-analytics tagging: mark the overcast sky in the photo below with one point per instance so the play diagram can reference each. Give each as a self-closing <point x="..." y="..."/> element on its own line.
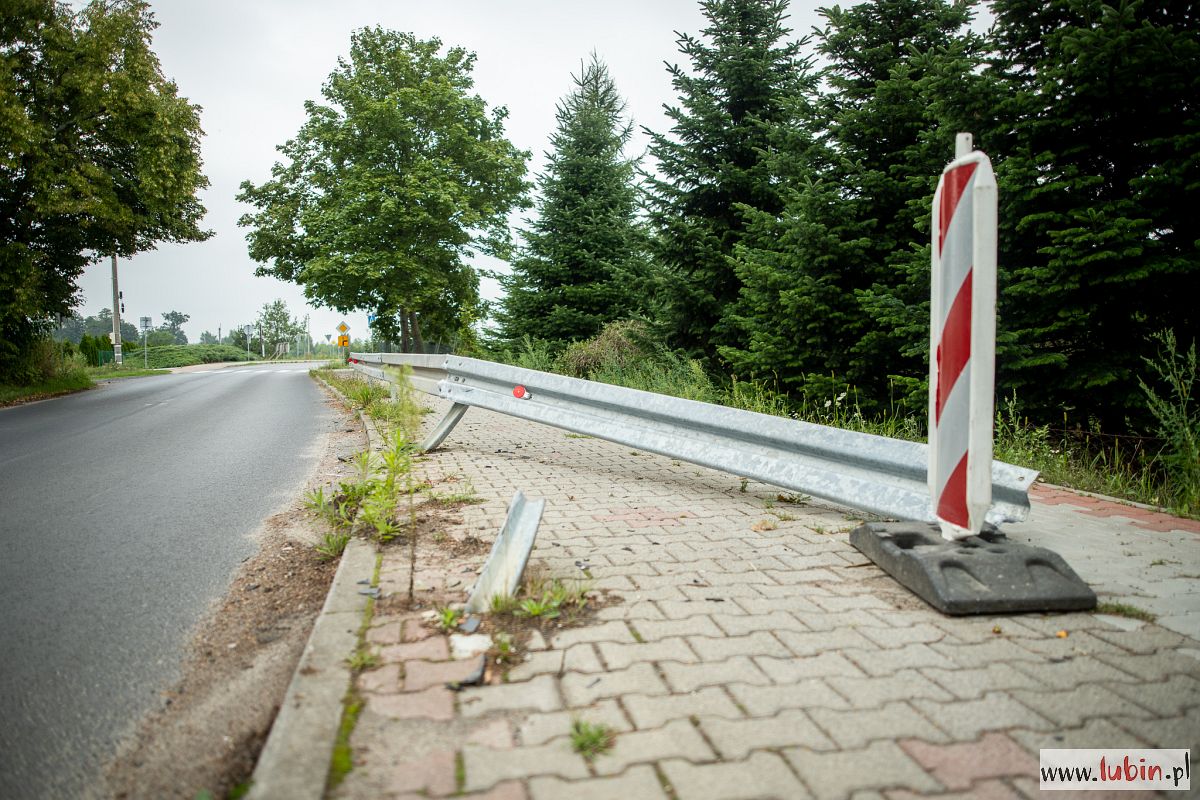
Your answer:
<point x="251" y="64"/>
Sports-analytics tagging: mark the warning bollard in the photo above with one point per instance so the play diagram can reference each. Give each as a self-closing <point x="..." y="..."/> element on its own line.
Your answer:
<point x="962" y="342"/>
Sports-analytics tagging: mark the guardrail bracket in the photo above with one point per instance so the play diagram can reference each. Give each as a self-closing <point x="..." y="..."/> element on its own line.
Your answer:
<point x="984" y="574"/>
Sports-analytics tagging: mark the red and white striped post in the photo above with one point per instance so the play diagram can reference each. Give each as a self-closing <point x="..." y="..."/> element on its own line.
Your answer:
<point x="962" y="342"/>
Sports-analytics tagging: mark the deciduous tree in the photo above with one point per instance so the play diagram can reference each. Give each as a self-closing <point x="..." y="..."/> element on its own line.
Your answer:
<point x="389" y="186"/>
<point x="98" y="155"/>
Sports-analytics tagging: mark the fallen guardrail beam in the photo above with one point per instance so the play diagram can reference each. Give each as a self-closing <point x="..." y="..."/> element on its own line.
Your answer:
<point x="876" y="474"/>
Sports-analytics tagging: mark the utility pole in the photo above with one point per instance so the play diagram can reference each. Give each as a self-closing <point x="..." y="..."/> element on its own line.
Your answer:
<point x="116" y="315"/>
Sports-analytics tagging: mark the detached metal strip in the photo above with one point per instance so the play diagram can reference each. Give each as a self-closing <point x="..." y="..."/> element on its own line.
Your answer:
<point x="873" y="473"/>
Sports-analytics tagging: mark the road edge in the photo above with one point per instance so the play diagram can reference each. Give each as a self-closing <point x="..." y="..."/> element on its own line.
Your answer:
<point x="294" y="762"/>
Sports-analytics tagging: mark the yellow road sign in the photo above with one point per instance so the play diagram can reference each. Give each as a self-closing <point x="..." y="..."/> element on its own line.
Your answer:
<point x="343" y="328"/>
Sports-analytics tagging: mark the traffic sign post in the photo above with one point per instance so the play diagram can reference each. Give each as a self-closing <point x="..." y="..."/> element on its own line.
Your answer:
<point x="344" y="338"/>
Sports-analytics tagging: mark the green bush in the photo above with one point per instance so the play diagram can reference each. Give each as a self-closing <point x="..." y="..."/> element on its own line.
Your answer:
<point x="185" y="355"/>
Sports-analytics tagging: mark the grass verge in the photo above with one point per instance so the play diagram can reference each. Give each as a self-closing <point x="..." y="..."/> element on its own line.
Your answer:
<point x="64" y="384"/>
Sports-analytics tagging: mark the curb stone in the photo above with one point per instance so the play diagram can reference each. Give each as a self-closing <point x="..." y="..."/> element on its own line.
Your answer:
<point x="294" y="762"/>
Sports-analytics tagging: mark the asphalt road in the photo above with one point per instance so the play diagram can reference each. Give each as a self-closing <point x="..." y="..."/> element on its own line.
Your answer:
<point x="124" y="512"/>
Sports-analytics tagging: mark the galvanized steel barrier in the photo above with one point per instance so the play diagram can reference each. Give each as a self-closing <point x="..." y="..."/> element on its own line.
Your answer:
<point x="876" y="474"/>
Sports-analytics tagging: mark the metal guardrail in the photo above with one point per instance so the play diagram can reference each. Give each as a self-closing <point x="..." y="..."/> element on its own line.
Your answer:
<point x="873" y="473"/>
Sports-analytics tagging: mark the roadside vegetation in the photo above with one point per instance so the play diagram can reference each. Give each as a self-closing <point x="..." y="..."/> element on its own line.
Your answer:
<point x="186" y="355"/>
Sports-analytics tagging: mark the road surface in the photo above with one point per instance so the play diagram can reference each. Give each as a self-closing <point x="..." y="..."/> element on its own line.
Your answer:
<point x="124" y="511"/>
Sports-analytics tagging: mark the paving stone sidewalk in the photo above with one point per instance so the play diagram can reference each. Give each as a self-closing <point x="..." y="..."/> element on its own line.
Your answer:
<point x="755" y="654"/>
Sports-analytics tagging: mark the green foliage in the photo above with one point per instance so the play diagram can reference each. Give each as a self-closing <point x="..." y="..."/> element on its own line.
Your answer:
<point x="835" y="286"/>
<point x="61" y="374"/>
<point x="98" y="155"/>
<point x="1178" y="418"/>
<point x="740" y="88"/>
<point x="1098" y="140"/>
<point x="448" y="618"/>
<point x="1125" y="610"/>
<point x="393" y="180"/>
<point x="364" y="658"/>
<point x="275" y="324"/>
<point x="582" y="264"/>
<point x="332" y="545"/>
<point x="591" y="740"/>
<point x="172" y="326"/>
<point x="342" y="759"/>
<point x="187" y="355"/>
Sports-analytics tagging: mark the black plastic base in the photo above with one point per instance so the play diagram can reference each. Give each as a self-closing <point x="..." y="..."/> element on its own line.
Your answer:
<point x="984" y="574"/>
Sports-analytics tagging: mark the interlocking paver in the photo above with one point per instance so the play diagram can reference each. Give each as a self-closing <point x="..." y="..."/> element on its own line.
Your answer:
<point x="619" y="656"/>
<point x="652" y="711"/>
<point x="813" y="642"/>
<point x="740" y="663"/>
<point x="540" y="693"/>
<point x="612" y="631"/>
<point x="759" y="643"/>
<point x="581" y="689"/>
<point x="636" y="782"/>
<point x="484" y="767"/>
<point x="792" y="669"/>
<point x="967" y="719"/>
<point x="1178" y="732"/>
<point x="735" y="739"/>
<point x="762" y="775"/>
<point x="969" y="684"/>
<point x="1070" y="708"/>
<point x="874" y="691"/>
<point x="957" y="766"/>
<point x="696" y="625"/>
<point x="881" y="765"/>
<point x="432" y="775"/>
<point x="857" y="727"/>
<point x="1095" y="733"/>
<point x="1073" y="672"/>
<point x="686" y="677"/>
<point x="677" y="739"/>
<point x="537" y="729"/>
<point x="1165" y="698"/>
<point x="767" y="701"/>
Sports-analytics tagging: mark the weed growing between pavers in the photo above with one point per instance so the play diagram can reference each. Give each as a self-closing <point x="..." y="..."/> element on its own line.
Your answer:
<point x="1125" y="610"/>
<point x="591" y="740"/>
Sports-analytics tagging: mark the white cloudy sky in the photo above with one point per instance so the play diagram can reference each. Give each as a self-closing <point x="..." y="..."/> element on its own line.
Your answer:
<point x="251" y="64"/>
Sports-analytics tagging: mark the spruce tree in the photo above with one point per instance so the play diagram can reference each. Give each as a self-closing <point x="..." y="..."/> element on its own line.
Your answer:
<point x="744" y="76"/>
<point x="1099" y="236"/>
<point x="836" y="287"/>
<point x="582" y="263"/>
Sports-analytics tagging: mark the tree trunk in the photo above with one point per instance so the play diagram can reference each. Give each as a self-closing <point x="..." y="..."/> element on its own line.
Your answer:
<point x="404" y="348"/>
<point x="415" y="327"/>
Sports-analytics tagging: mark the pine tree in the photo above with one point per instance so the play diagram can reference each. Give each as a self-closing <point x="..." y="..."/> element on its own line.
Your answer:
<point x="836" y="287"/>
<point x="583" y="260"/>
<point x="1102" y="241"/>
<point x="744" y="76"/>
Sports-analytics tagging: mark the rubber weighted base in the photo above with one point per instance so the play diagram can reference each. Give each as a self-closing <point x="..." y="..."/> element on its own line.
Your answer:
<point x="984" y="574"/>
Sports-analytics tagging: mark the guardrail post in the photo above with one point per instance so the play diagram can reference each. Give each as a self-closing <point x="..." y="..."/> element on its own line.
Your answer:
<point x="444" y="427"/>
